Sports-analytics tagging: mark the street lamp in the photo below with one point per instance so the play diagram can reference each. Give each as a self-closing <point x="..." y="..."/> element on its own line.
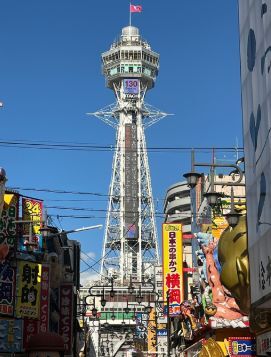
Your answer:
<point x="139" y="297"/>
<point x="103" y="300"/>
<point x="233" y="216"/>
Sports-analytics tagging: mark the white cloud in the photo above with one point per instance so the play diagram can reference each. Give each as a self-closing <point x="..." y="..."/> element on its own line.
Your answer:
<point x="87" y="278"/>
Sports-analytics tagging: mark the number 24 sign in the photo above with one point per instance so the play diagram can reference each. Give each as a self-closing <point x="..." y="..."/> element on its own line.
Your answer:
<point x="131" y="86"/>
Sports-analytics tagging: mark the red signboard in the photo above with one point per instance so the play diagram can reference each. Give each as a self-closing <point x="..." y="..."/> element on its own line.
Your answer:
<point x="30" y="328"/>
<point x="66" y="315"/>
<point x="44" y="299"/>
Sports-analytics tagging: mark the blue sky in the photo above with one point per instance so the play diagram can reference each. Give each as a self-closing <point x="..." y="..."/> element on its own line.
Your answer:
<point x="50" y="76"/>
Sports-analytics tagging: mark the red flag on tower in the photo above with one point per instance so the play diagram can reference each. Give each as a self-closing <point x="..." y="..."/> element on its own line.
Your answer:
<point x="135" y="8"/>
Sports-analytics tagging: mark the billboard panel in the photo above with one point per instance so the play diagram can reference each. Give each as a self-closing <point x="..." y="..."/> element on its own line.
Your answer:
<point x="9" y="215"/>
<point x="173" y="266"/>
<point x="31" y="240"/>
<point x="152" y="326"/>
<point x="28" y="290"/>
<point x="11" y="335"/>
<point x="255" y="50"/>
<point x="7" y="286"/>
<point x="66" y="316"/>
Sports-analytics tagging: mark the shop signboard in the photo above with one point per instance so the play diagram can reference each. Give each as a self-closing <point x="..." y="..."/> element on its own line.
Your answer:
<point x="242" y="346"/>
<point x="31" y="239"/>
<point x="44" y="299"/>
<point x="7" y="220"/>
<point x="11" y="335"/>
<point x="264" y="344"/>
<point x="66" y="316"/>
<point x="30" y="328"/>
<point x="173" y="267"/>
<point x="152" y="326"/>
<point x="28" y="288"/>
<point x="141" y="325"/>
<point x="162" y="332"/>
<point x="7" y="286"/>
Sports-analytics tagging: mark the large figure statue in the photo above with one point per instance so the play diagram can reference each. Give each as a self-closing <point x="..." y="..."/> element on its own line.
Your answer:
<point x="233" y="257"/>
<point x="226" y="307"/>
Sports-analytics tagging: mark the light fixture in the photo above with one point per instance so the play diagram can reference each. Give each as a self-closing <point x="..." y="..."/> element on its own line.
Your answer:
<point x="212" y="197"/>
<point x="103" y="300"/>
<point x="233" y="216"/>
<point x="112" y="292"/>
<point x="130" y="287"/>
<point x="192" y="178"/>
<point x="139" y="297"/>
<point x="94" y="312"/>
<point x="127" y="309"/>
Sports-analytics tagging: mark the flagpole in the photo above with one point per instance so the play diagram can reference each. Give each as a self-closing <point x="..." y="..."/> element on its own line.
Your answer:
<point x="130" y="18"/>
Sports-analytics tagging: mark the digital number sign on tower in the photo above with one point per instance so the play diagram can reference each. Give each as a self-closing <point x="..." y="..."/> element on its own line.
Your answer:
<point x="131" y="86"/>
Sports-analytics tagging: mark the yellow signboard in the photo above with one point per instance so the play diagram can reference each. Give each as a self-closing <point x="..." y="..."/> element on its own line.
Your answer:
<point x="28" y="285"/>
<point x="173" y="266"/>
<point x="152" y="333"/>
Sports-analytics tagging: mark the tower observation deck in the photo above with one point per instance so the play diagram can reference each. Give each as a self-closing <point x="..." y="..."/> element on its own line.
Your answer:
<point x="130" y="247"/>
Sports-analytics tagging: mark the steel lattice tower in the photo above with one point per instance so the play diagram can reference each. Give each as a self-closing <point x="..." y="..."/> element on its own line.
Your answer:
<point x="130" y="247"/>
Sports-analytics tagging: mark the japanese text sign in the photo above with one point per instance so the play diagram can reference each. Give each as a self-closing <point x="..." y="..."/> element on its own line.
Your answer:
<point x="44" y="300"/>
<point x="152" y="326"/>
<point x="242" y="346"/>
<point x="28" y="285"/>
<point x="7" y="284"/>
<point x="11" y="335"/>
<point x="31" y="212"/>
<point x="66" y="315"/>
<point x="9" y="215"/>
<point x="173" y="267"/>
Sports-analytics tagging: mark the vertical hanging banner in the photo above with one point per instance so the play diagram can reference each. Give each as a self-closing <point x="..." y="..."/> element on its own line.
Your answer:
<point x="28" y="288"/>
<point x="173" y="267"/>
<point x="152" y="327"/>
<point x="30" y="328"/>
<point x="7" y="285"/>
<point x="66" y="316"/>
<point x="31" y="212"/>
<point x="11" y="336"/>
<point x="7" y="223"/>
<point x="44" y="299"/>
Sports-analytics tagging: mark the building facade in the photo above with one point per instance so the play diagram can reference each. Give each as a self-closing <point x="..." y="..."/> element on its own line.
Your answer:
<point x="255" y="52"/>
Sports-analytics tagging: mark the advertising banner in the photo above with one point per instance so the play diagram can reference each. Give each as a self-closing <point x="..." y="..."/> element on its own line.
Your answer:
<point x="152" y="332"/>
<point x="44" y="299"/>
<point x="28" y="288"/>
<point x="141" y="325"/>
<point x="32" y="213"/>
<point x="242" y="346"/>
<point x="30" y="328"/>
<point x="173" y="266"/>
<point x="11" y="335"/>
<point x="264" y="344"/>
<point x="7" y="286"/>
<point x="9" y="215"/>
<point x="66" y="316"/>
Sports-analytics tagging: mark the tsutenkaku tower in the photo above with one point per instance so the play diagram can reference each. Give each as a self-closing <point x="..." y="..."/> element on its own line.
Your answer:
<point x="130" y="247"/>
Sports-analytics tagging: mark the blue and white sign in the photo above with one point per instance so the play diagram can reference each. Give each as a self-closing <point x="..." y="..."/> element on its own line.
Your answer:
<point x="162" y="332"/>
